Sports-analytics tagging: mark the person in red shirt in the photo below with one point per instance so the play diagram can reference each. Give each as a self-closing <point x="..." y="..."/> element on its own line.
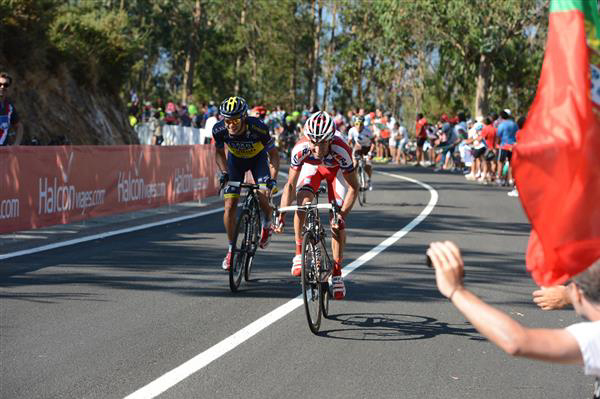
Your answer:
<point x="421" y="135"/>
<point x="489" y="135"/>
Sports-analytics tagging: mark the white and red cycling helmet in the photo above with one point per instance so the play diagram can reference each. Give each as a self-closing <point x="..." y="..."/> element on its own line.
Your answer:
<point x="319" y="127"/>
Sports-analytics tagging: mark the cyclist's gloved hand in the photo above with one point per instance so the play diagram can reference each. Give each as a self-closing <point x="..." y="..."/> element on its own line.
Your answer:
<point x="271" y="183"/>
<point x="370" y="155"/>
<point x="223" y="178"/>
<point x="279" y="223"/>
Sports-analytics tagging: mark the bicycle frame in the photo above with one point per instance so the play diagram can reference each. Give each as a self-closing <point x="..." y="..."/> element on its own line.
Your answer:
<point x="316" y="265"/>
<point x="249" y="219"/>
<point x="313" y="224"/>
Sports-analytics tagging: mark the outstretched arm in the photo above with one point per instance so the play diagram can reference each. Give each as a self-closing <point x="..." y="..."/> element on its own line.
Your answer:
<point x="289" y="195"/>
<point x="554" y="345"/>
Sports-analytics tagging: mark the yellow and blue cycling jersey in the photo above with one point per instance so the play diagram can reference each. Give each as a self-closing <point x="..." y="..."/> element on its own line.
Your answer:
<point x="247" y="152"/>
<point x="247" y="145"/>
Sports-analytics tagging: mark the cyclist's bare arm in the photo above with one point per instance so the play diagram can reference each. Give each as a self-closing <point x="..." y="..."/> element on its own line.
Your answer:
<point x="352" y="193"/>
<point x="274" y="162"/>
<point x="221" y="159"/>
<point x="289" y="195"/>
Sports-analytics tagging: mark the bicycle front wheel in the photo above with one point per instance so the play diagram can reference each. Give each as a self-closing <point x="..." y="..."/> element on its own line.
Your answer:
<point x="363" y="186"/>
<point x="326" y="267"/>
<point x="254" y="236"/>
<point x="312" y="289"/>
<point x="239" y="252"/>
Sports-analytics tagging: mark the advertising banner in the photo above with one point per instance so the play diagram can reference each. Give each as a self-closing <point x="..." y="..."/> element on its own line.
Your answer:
<point x="43" y="186"/>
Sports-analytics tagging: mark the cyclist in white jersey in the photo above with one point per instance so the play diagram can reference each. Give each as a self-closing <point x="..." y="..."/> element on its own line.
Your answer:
<point x="321" y="155"/>
<point x="362" y="141"/>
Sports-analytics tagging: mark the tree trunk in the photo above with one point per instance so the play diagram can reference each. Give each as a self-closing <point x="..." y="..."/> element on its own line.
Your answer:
<point x="190" y="59"/>
<point x="252" y="54"/>
<point x="359" y="92"/>
<point x="483" y="84"/>
<point x="315" y="58"/>
<point x="371" y="77"/>
<point x="330" y="50"/>
<point x="238" y="59"/>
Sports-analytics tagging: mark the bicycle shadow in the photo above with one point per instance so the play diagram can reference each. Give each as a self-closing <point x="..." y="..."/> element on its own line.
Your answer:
<point x="394" y="327"/>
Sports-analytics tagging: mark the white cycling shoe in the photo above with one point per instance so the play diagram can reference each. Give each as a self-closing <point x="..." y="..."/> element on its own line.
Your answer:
<point x="297" y="266"/>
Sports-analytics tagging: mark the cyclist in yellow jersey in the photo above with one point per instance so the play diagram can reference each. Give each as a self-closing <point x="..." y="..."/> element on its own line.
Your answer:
<point x="251" y="148"/>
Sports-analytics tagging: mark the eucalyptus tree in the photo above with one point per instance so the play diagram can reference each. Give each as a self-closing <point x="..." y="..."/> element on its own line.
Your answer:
<point x="473" y="37"/>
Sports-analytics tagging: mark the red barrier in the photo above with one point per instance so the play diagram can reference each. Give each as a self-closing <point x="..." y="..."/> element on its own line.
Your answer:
<point x="43" y="186"/>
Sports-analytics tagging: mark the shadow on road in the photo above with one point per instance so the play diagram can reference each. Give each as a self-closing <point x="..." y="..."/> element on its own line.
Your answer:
<point x="394" y="327"/>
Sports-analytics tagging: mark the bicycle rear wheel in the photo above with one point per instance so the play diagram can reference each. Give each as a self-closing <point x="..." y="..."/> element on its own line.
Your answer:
<point x="255" y="230"/>
<point x="363" y="186"/>
<point x="239" y="252"/>
<point x="311" y="286"/>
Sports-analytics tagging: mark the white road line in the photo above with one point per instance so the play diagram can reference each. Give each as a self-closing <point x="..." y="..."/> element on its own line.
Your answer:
<point x="74" y="241"/>
<point x="178" y="374"/>
<point x="98" y="236"/>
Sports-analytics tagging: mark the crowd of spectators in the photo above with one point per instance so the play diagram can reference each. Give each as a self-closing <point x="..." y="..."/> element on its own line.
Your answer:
<point x="480" y="148"/>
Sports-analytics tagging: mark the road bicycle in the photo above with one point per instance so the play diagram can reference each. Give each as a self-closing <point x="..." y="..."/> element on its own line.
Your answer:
<point x="246" y="236"/>
<point x="363" y="181"/>
<point x="317" y="265"/>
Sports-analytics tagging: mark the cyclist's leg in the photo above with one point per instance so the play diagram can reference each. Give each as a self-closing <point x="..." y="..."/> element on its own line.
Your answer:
<point x="356" y="154"/>
<point x="368" y="163"/>
<point x="336" y="191"/>
<point x="232" y="194"/>
<point x="236" y="170"/>
<point x="308" y="182"/>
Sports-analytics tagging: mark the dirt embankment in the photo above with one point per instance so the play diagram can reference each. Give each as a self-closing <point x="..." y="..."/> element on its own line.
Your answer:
<point x="55" y="109"/>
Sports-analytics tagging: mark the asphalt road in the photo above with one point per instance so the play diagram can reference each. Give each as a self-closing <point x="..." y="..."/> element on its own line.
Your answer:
<point x="105" y="318"/>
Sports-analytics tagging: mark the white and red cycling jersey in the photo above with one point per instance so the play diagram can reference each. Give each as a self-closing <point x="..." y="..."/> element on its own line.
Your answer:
<point x="331" y="168"/>
<point x="340" y="155"/>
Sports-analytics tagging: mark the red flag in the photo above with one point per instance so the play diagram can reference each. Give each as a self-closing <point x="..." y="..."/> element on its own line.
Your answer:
<point x="557" y="160"/>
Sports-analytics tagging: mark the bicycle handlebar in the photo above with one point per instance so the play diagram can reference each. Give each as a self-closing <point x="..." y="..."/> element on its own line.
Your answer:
<point x="305" y="208"/>
<point x="243" y="185"/>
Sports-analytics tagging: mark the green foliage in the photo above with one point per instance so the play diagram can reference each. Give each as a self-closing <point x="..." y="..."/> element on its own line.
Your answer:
<point x="98" y="43"/>
<point x="398" y="55"/>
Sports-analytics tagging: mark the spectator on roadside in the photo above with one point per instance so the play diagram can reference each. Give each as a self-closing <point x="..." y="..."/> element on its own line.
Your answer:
<point x="196" y="118"/>
<point x="577" y="344"/>
<point x="489" y="157"/>
<point x="477" y="148"/>
<point x="421" y="136"/>
<point x="520" y="123"/>
<point x="394" y="141"/>
<point x="9" y="118"/>
<point x="155" y="127"/>
<point x="401" y="147"/>
<point x="506" y="138"/>
<point x="447" y="143"/>
<point x="184" y="116"/>
<point x="171" y="117"/>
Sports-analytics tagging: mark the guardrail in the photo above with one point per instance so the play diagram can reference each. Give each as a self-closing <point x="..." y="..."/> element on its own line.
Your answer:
<point x="174" y="135"/>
